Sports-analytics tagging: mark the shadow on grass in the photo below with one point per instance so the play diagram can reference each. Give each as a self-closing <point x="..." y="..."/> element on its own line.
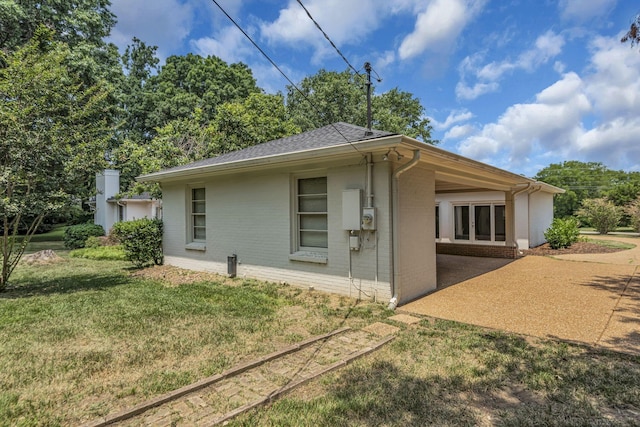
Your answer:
<point x="450" y="374"/>
<point x="26" y="287"/>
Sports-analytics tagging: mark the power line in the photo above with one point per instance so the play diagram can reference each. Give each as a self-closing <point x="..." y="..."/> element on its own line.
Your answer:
<point x="328" y="39"/>
<point x="282" y="72"/>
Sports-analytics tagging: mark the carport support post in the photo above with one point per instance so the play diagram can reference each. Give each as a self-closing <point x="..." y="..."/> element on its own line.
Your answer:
<point x="510" y="221"/>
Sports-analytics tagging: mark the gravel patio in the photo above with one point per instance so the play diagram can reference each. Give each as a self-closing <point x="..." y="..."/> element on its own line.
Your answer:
<point x="586" y="298"/>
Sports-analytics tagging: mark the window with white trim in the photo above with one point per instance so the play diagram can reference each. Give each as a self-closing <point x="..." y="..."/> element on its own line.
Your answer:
<point x="198" y="215"/>
<point x="480" y="222"/>
<point x="311" y="214"/>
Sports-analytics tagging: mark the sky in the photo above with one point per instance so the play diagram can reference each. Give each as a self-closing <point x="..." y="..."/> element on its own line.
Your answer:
<point x="516" y="84"/>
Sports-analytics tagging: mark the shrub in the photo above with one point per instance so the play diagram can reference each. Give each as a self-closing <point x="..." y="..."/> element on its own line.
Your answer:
<point x="601" y="213"/>
<point x="562" y="233"/>
<point x="93" y="242"/>
<point x="76" y="236"/>
<point x="141" y="240"/>
<point x="110" y="253"/>
<point x="633" y="210"/>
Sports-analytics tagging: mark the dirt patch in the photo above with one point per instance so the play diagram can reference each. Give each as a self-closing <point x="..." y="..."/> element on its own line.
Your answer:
<point x="576" y="248"/>
<point x="175" y="276"/>
<point x="47" y="256"/>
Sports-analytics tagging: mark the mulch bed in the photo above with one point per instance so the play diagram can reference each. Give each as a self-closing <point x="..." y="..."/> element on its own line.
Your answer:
<point x="576" y="248"/>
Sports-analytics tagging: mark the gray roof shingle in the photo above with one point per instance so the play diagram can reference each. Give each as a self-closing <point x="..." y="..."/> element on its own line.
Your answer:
<point x="331" y="135"/>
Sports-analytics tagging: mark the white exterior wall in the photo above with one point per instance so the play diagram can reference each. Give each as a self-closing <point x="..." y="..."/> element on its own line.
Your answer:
<point x="251" y="215"/>
<point x="416" y="247"/>
<point x="540" y="217"/>
<point x="533" y="215"/>
<point x="107" y="186"/>
<point x="136" y="209"/>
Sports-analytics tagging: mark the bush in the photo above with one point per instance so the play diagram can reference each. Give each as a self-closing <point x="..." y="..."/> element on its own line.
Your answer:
<point x="93" y="242"/>
<point x="109" y="253"/>
<point x="76" y="236"/>
<point x="141" y="240"/>
<point x="562" y="233"/>
<point x="601" y="213"/>
<point x="633" y="210"/>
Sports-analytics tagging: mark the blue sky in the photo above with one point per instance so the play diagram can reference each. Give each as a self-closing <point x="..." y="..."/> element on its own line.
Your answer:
<point x="517" y="84"/>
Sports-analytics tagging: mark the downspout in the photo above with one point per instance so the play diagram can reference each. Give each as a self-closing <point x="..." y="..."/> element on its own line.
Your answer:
<point x="393" y="303"/>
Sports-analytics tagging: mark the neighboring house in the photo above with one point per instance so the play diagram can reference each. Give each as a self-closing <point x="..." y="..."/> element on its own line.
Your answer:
<point x="108" y="210"/>
<point x="342" y="209"/>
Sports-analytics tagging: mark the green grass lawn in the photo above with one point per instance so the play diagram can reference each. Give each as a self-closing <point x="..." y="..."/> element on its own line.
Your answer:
<point x="80" y="339"/>
<point x="84" y="338"/>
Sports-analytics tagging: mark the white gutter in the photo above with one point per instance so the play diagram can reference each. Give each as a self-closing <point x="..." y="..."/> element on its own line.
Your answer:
<point x="394" y="226"/>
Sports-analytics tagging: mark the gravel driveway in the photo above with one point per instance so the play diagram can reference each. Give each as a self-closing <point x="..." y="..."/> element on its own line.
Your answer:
<point x="587" y="298"/>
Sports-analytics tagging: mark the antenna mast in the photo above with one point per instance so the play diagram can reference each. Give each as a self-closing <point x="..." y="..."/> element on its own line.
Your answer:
<point x="367" y="68"/>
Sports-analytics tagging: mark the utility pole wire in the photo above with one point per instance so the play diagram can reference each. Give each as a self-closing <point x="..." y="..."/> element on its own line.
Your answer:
<point x="328" y="39"/>
<point x="282" y="72"/>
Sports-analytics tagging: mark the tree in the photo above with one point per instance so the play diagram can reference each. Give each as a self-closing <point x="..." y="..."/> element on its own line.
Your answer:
<point x="328" y="97"/>
<point x="259" y="118"/>
<point x="140" y="63"/>
<point x="580" y="180"/>
<point x="73" y="22"/>
<point x="633" y="35"/>
<point x="400" y="112"/>
<point x="633" y="210"/>
<point x="52" y="140"/>
<point x="601" y="214"/>
<point x="189" y="83"/>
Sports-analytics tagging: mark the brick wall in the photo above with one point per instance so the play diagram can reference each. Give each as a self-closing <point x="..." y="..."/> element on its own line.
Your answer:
<point x="477" y="250"/>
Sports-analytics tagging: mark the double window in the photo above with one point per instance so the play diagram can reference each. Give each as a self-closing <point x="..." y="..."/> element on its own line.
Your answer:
<point x="198" y="215"/>
<point x="480" y="222"/>
<point x="311" y="214"/>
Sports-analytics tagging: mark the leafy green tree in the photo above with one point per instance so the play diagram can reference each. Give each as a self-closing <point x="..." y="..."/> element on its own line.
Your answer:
<point x="73" y="21"/>
<point x="400" y="112"/>
<point x="257" y="119"/>
<point x="601" y="214"/>
<point x="633" y="211"/>
<point x="580" y="180"/>
<point x="328" y="97"/>
<point x="189" y="83"/>
<point x="140" y="63"/>
<point x="52" y="140"/>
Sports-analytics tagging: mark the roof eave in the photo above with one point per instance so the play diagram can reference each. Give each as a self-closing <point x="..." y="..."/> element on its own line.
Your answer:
<point x="273" y="160"/>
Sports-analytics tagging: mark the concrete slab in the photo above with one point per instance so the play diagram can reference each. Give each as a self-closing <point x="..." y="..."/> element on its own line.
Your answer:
<point x="405" y="318"/>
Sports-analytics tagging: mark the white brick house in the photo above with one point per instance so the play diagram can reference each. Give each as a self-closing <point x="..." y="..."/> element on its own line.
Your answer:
<point x="108" y="209"/>
<point x="339" y="209"/>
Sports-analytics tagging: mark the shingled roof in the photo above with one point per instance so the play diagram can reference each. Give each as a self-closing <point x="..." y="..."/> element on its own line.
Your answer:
<point x="327" y="136"/>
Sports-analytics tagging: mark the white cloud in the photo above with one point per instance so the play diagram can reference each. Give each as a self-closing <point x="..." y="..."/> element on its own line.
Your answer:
<point x="344" y="21"/>
<point x="149" y="20"/>
<point x="614" y="84"/>
<point x="230" y="45"/>
<point x="549" y="123"/>
<point x="438" y="26"/>
<point x="595" y="117"/>
<point x="455" y="116"/>
<point x="546" y="47"/>
<point x="457" y="132"/>
<point x="582" y="10"/>
<point x="463" y="91"/>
